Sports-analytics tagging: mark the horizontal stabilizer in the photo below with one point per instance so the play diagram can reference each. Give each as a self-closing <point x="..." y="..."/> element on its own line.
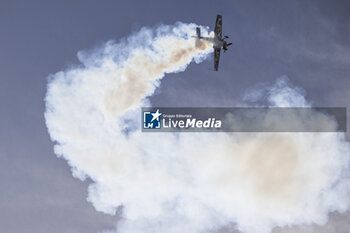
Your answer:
<point x="198" y="32"/>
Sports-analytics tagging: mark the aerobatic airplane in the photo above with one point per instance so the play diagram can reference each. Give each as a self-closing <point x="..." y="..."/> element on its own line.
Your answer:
<point x="218" y="41"/>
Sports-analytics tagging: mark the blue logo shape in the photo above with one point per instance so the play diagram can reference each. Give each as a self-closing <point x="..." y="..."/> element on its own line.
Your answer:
<point x="152" y="120"/>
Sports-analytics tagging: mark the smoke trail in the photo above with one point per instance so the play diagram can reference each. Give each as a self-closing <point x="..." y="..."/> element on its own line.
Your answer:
<point x="194" y="182"/>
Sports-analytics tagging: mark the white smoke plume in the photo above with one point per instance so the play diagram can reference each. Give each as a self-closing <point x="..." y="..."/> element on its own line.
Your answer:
<point x="195" y="182"/>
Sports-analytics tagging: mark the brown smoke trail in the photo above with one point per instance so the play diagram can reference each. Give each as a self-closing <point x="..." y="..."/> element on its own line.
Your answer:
<point x="194" y="182"/>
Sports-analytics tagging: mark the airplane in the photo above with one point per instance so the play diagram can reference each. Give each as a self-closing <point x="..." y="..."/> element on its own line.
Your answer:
<point x="218" y="41"/>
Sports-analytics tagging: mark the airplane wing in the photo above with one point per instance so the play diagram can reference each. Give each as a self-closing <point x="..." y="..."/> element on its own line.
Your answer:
<point x="218" y="26"/>
<point x="216" y="58"/>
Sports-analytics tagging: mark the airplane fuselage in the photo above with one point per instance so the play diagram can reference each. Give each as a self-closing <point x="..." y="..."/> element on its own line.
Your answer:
<point x="218" y="40"/>
<point x="218" y="43"/>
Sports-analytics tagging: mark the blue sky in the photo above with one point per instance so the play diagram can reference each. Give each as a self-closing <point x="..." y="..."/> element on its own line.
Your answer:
<point x="306" y="41"/>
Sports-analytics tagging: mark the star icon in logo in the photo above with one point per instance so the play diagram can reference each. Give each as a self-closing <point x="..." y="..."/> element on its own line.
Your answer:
<point x="156" y="115"/>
